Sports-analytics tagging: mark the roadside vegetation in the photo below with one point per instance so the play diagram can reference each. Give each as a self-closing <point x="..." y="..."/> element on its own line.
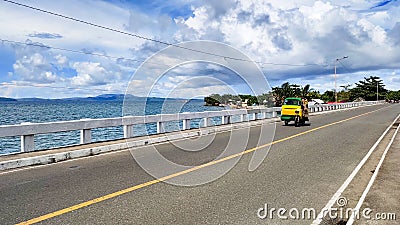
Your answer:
<point x="367" y="89"/>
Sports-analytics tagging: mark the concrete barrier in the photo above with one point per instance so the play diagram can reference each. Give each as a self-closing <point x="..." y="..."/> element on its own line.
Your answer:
<point x="27" y="131"/>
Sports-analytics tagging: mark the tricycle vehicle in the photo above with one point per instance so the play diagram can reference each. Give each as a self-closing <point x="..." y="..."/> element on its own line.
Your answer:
<point x="294" y="109"/>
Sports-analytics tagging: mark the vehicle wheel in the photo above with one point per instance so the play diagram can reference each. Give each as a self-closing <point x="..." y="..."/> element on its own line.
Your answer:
<point x="286" y="123"/>
<point x="297" y="121"/>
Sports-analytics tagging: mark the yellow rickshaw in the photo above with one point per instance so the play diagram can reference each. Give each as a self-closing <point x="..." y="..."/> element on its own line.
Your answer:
<point x="294" y="109"/>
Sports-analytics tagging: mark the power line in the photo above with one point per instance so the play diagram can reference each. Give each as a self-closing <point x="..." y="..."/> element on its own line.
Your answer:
<point x="348" y="70"/>
<point x="365" y="75"/>
<point x="151" y="39"/>
<point x="117" y="31"/>
<point x="40" y="45"/>
<point x="114" y="57"/>
<point x="56" y="48"/>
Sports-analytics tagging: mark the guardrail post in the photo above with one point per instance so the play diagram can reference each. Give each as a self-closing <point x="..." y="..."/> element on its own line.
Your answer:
<point x="27" y="143"/>
<point x="160" y="127"/>
<point x="274" y="113"/>
<point x="128" y="131"/>
<point x="207" y="121"/>
<point x="186" y="124"/>
<point x="86" y="136"/>
<point x="226" y="119"/>
<point x="243" y="117"/>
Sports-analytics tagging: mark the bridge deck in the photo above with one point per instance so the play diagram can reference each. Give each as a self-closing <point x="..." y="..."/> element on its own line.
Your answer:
<point x="304" y="167"/>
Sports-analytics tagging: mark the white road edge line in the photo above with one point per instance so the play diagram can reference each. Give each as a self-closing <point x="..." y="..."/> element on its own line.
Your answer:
<point x="371" y="181"/>
<point x="339" y="192"/>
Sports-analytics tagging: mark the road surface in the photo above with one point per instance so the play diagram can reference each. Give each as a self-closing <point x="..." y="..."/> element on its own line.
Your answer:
<point x="304" y="168"/>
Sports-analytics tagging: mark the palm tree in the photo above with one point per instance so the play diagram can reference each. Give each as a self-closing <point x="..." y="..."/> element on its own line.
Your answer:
<point x="305" y="91"/>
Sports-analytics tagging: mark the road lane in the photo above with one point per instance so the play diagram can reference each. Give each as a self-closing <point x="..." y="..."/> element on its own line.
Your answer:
<point x="289" y="176"/>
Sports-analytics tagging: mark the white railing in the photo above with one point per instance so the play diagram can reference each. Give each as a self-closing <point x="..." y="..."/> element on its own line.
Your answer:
<point x="27" y="131"/>
<point x="326" y="107"/>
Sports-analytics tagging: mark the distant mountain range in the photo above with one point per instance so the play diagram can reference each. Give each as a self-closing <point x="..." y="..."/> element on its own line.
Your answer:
<point x="104" y="97"/>
<point x="7" y="99"/>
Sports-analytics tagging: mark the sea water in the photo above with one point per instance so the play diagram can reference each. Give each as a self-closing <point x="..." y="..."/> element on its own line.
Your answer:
<point x="63" y="110"/>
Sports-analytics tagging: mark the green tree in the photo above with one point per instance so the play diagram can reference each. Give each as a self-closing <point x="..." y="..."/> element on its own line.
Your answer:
<point x="393" y="95"/>
<point x="305" y="92"/>
<point x="290" y="90"/>
<point x="314" y="94"/>
<point x="344" y="95"/>
<point x="328" y="96"/>
<point x="213" y="100"/>
<point x="367" y="89"/>
<point x="226" y="98"/>
<point x="250" y="99"/>
<point x="266" y="99"/>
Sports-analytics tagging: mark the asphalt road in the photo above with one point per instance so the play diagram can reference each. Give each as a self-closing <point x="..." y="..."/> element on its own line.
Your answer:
<point x="301" y="171"/>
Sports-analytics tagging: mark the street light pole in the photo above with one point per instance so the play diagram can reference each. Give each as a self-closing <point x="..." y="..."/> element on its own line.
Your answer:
<point x="377" y="91"/>
<point x="337" y="60"/>
<point x="335" y="82"/>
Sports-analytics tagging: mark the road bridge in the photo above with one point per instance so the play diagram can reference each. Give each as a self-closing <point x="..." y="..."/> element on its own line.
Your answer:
<point x="304" y="168"/>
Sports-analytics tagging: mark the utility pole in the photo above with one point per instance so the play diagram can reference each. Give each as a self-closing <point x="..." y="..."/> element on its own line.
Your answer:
<point x="377" y="90"/>
<point x="337" y="60"/>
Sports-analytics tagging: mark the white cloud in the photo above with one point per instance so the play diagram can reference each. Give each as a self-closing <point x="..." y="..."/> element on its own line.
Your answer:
<point x="375" y="32"/>
<point x="34" y="68"/>
<point x="19" y="23"/>
<point x="200" y="21"/>
<point x="303" y="32"/>
<point x="90" y="74"/>
<point x="62" y="60"/>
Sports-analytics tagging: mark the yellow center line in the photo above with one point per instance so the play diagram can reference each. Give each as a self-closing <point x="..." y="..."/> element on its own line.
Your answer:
<point x="149" y="183"/>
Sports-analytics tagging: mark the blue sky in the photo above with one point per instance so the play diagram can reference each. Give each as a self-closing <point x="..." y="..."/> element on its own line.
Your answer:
<point x="295" y="41"/>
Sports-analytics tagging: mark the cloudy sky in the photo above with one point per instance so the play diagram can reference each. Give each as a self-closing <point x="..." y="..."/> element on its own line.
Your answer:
<point x="43" y="55"/>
